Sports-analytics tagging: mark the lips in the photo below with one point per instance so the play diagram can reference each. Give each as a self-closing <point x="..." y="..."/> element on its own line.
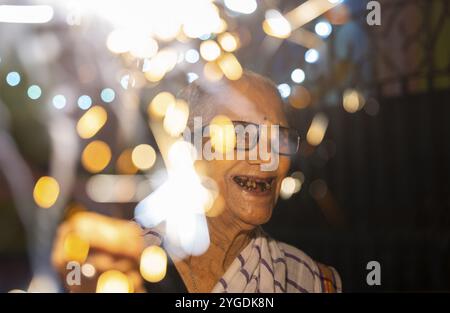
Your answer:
<point x="255" y="185"/>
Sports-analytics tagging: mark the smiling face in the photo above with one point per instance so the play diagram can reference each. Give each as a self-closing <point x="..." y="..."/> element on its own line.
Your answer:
<point x="248" y="193"/>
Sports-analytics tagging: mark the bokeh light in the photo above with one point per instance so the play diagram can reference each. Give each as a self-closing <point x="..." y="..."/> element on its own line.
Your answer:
<point x="13" y="79"/>
<point x="84" y="102"/>
<point x="230" y="66"/>
<point x="75" y="248"/>
<point x="34" y="92"/>
<point x="59" y="102"/>
<point x="153" y="264"/>
<point x="91" y="122"/>
<point x="192" y="56"/>
<point x="46" y="192"/>
<point x="209" y="50"/>
<point x="352" y="100"/>
<point x="114" y="281"/>
<point x="143" y="156"/>
<point x="276" y="25"/>
<point x="311" y="56"/>
<point x="284" y="89"/>
<point x="158" y="107"/>
<point x="176" y="118"/>
<point x="222" y="134"/>
<point x="298" y="76"/>
<point x="96" y="156"/>
<point x="323" y="29"/>
<point x="124" y="163"/>
<point x="228" y="42"/>
<point x="108" y="95"/>
<point x="242" y="6"/>
<point x="316" y="131"/>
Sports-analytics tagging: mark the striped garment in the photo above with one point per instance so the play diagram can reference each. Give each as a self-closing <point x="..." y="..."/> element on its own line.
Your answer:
<point x="267" y="266"/>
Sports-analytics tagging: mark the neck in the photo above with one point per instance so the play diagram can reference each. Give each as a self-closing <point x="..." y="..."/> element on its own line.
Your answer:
<point x="228" y="237"/>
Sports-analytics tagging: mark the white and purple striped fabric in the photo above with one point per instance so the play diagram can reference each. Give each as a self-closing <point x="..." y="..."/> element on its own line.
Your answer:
<point x="268" y="266"/>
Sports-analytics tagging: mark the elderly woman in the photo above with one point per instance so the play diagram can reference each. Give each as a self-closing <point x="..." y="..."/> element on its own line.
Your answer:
<point x="241" y="257"/>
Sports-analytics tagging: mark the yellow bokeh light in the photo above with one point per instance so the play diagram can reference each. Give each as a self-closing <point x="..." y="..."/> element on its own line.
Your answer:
<point x="353" y="101"/>
<point x="143" y="47"/>
<point x="276" y="25"/>
<point x="209" y="50"/>
<point x="143" y="156"/>
<point x="91" y="122"/>
<point x="222" y="26"/>
<point x="230" y="66"/>
<point x="96" y="156"/>
<point x="114" y="281"/>
<point x="288" y="187"/>
<point x="317" y="130"/>
<point x="222" y="133"/>
<point x="212" y="72"/>
<point x="75" y="248"/>
<point x="46" y="192"/>
<point x="124" y="164"/>
<point x="153" y="264"/>
<point x="163" y="62"/>
<point x="176" y="118"/>
<point x="228" y="42"/>
<point x="160" y="103"/>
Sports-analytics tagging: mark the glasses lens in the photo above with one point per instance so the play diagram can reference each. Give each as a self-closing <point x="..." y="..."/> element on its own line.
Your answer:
<point x="287" y="141"/>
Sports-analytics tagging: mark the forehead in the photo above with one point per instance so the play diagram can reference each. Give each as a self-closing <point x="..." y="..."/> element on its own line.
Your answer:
<point x="250" y="100"/>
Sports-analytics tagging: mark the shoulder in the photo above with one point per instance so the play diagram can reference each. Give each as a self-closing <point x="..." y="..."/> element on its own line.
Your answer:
<point x="302" y="269"/>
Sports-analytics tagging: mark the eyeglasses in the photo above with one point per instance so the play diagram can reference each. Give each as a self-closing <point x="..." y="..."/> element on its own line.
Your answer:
<point x="283" y="140"/>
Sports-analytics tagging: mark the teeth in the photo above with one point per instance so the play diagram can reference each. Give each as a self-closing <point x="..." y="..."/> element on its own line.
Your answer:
<point x="251" y="184"/>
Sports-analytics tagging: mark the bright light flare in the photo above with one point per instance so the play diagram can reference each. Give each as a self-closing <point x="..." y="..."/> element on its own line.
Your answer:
<point x="26" y="13"/>
<point x="242" y="6"/>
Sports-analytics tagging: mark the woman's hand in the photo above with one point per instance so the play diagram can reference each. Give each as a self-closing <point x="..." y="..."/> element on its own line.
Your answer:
<point x="105" y="243"/>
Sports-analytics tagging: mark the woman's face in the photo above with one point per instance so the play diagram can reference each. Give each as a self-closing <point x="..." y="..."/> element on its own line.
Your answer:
<point x="248" y="192"/>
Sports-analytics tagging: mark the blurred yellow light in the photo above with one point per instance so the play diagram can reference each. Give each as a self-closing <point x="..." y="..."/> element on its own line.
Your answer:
<point x="143" y="156"/>
<point x="317" y="130"/>
<point x="160" y="103"/>
<point x="221" y="27"/>
<point x="46" y="192"/>
<point x="181" y="154"/>
<point x="176" y="118"/>
<point x="288" y="187"/>
<point x="91" y="122"/>
<point x="228" y="42"/>
<point x="201" y="17"/>
<point x="96" y="156"/>
<point x="118" y="41"/>
<point x="114" y="282"/>
<point x="222" y="134"/>
<point x="144" y="47"/>
<point x="230" y="66"/>
<point x="212" y="72"/>
<point x="125" y="164"/>
<point x="163" y="62"/>
<point x="75" y="248"/>
<point x="300" y="98"/>
<point x="276" y="25"/>
<point x="153" y="264"/>
<point x="353" y="101"/>
<point x="209" y="50"/>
